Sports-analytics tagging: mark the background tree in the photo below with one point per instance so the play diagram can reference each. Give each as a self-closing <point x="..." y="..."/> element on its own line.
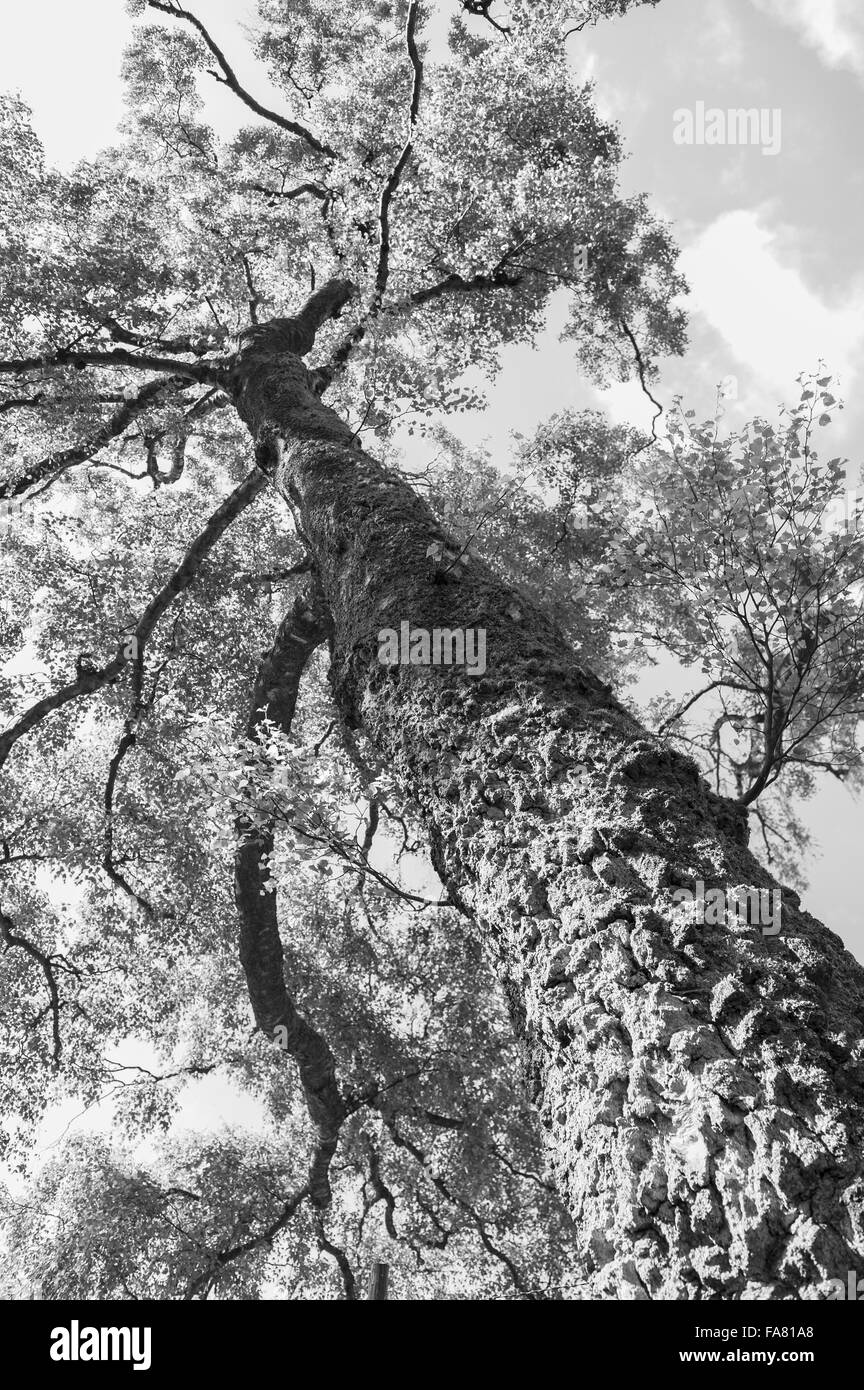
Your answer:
<point x="734" y="557"/>
<point x="432" y="200"/>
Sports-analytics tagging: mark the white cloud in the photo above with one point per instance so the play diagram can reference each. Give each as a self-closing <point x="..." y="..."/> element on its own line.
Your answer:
<point x="770" y="319"/>
<point x="834" y="28"/>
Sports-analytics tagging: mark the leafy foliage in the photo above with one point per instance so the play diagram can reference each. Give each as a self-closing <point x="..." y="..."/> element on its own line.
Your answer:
<point x="736" y="557"/>
<point x="145" y="566"/>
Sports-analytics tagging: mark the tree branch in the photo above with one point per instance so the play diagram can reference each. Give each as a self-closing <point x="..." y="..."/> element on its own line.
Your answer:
<point x="349" y="1283"/>
<point x="314" y="190"/>
<point x="395" y="178"/>
<point x="277" y="686"/>
<point x="133" y="339"/>
<point x="452" y="284"/>
<point x="12" y="940"/>
<point x="272" y="576"/>
<point x="481" y="8"/>
<point x="714" y="685"/>
<point x="127" y="742"/>
<point x="90" y="680"/>
<point x="640" y="367"/>
<point x="21" y="402"/>
<point x="229" y="79"/>
<point x="115" y="357"/>
<point x="254" y="296"/>
<point x="225" y="1257"/>
<point x="296" y="334"/>
<point x="56" y="464"/>
<point x="457" y="284"/>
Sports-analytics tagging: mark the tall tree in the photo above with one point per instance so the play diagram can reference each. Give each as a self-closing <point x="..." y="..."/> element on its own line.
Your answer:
<point x="405" y="215"/>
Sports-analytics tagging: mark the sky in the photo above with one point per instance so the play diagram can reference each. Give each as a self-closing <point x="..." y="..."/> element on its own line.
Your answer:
<point x="770" y="241"/>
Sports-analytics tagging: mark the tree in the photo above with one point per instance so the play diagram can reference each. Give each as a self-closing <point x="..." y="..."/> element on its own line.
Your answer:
<point x="698" y="1089"/>
<point x="736" y="555"/>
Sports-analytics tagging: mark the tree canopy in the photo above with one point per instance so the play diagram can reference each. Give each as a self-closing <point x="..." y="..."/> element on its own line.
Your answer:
<point x="173" y="761"/>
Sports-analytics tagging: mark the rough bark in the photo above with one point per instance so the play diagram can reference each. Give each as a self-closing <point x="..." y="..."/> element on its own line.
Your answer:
<point x="700" y="1086"/>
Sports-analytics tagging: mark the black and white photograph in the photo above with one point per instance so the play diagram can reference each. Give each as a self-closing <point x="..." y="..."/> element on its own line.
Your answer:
<point x="431" y="670"/>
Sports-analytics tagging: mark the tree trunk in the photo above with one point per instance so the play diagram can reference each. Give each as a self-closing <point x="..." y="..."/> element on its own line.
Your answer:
<point x="700" y="1086"/>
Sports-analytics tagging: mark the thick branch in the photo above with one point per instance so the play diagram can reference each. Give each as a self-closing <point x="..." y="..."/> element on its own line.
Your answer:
<point x="277" y="686"/>
<point x="21" y="402"/>
<point x="127" y="742"/>
<point x="452" y="284"/>
<point x="12" y="940"/>
<point x="55" y="464"/>
<point x="229" y="79"/>
<point x="199" y="347"/>
<point x="256" y="581"/>
<point x="114" y="357"/>
<point x="396" y="173"/>
<point x="457" y="284"/>
<point x="297" y="334"/>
